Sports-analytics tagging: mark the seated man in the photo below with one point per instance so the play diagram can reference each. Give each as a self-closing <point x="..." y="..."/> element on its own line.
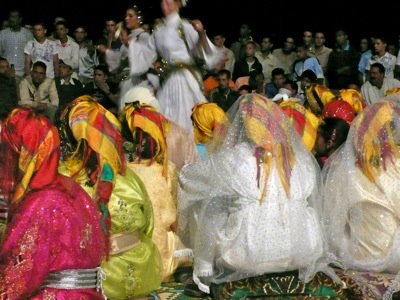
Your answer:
<point x="38" y="90"/>
<point x="224" y="95"/>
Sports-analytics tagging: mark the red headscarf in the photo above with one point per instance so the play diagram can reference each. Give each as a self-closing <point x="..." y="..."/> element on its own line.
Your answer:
<point x="339" y="109"/>
<point x="34" y="142"/>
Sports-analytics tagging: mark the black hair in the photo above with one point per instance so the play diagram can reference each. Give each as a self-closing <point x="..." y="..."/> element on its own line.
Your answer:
<point x="334" y="129"/>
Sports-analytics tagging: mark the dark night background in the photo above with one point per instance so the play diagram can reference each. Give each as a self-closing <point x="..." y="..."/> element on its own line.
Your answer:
<point x="274" y="18"/>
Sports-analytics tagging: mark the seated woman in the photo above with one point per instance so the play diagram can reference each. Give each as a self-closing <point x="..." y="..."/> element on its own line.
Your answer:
<point x="92" y="154"/>
<point x="361" y="198"/>
<point x="247" y="209"/>
<point x="144" y="130"/>
<point x="53" y="243"/>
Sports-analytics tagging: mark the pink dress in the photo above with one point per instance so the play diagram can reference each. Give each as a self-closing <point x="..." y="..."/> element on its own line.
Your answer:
<point x="55" y="228"/>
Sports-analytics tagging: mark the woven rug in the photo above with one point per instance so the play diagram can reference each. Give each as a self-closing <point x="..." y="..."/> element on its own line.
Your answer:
<point x="360" y="286"/>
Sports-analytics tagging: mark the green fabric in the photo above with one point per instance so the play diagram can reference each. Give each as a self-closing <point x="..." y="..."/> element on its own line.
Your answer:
<point x="283" y="285"/>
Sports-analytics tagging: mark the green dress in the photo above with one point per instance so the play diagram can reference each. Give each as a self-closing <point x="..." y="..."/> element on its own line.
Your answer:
<point x="137" y="271"/>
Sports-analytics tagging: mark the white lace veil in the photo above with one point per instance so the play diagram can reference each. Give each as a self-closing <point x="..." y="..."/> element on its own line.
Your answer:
<point x="259" y="158"/>
<point x="361" y="207"/>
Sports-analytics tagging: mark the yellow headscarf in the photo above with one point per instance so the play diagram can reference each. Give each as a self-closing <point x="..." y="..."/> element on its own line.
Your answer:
<point x="374" y="137"/>
<point x="147" y="118"/>
<point x="317" y="97"/>
<point x="206" y="118"/>
<point x="354" y="98"/>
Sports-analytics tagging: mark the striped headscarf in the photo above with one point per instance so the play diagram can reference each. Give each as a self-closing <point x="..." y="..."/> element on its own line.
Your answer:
<point x="34" y="142"/>
<point x="206" y="118"/>
<point x="317" y="97"/>
<point x="376" y="130"/>
<point x="147" y="118"/>
<point x="267" y="127"/>
<point x="354" y="98"/>
<point x="97" y="146"/>
<point x="304" y="121"/>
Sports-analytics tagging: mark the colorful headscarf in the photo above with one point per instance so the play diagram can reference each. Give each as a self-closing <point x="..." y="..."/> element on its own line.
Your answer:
<point x="393" y="91"/>
<point x="354" y="98"/>
<point x="206" y="118"/>
<point x="317" y="97"/>
<point x="303" y="120"/>
<point x="36" y="143"/>
<point x="375" y="132"/>
<point x="266" y="126"/>
<point x="147" y="118"/>
<point x="339" y="109"/>
<point x="96" y="131"/>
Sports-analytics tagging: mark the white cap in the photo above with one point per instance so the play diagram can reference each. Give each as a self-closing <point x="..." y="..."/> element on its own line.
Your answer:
<point x="141" y="94"/>
<point x="283" y="94"/>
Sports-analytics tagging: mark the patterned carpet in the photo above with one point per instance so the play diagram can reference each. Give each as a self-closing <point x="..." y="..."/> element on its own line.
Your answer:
<point x="360" y="286"/>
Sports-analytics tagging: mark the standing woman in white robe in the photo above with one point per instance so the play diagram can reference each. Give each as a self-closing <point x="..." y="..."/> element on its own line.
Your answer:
<point x="179" y="42"/>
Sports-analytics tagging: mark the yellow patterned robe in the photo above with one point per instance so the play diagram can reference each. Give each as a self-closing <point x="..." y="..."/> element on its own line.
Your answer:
<point x="162" y="192"/>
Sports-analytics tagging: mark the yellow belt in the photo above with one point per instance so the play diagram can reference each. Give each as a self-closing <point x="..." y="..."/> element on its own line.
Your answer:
<point x="121" y="242"/>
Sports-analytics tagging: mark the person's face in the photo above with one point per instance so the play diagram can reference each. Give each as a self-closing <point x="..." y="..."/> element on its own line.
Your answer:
<point x="375" y="78"/>
<point x="124" y="37"/>
<point x="249" y="50"/>
<point x="39" y="32"/>
<point x="266" y="44"/>
<point x="364" y="45"/>
<point x="379" y="46"/>
<point x="64" y="70"/>
<point x="288" y="45"/>
<point x="392" y="49"/>
<point x="169" y="6"/>
<point x="279" y="80"/>
<point x="293" y="92"/>
<point x="5" y="24"/>
<point x="99" y="76"/>
<point x="319" y="39"/>
<point x="307" y="38"/>
<point x="244" y="30"/>
<point x="14" y="19"/>
<point x="320" y="146"/>
<point x="301" y="53"/>
<point x="218" y="41"/>
<point x="80" y="34"/>
<point x="305" y="83"/>
<point x="341" y="38"/>
<point x="146" y="27"/>
<point x="132" y="20"/>
<point x="61" y="31"/>
<point x="4" y="66"/>
<point x="38" y="75"/>
<point x="111" y="27"/>
<point x="223" y="81"/>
